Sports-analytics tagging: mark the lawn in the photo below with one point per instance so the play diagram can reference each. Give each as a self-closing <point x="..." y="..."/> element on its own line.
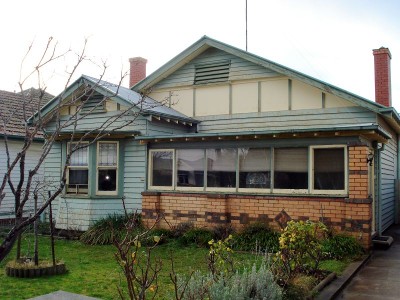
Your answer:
<point x="93" y="270"/>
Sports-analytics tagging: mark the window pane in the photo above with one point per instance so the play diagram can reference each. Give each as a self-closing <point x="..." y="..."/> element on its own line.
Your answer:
<point x="190" y="164"/>
<point x="221" y="167"/>
<point x="291" y="168"/>
<point x="77" y="181"/>
<point x="79" y="157"/>
<point x="107" y="154"/>
<point x="329" y="169"/>
<point x="107" y="180"/>
<point x="162" y="168"/>
<point x="254" y="168"/>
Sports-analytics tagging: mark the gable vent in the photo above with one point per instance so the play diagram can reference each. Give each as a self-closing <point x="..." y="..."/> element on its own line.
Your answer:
<point x="212" y="72"/>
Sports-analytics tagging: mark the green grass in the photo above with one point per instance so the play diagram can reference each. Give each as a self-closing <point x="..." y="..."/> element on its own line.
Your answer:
<point x="332" y="265"/>
<point x="93" y="270"/>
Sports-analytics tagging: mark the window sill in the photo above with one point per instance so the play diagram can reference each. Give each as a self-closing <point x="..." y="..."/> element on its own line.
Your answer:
<point x="219" y="194"/>
<point x="69" y="196"/>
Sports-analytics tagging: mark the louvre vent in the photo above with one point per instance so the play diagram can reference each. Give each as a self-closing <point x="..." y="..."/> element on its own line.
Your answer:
<point x="212" y="72"/>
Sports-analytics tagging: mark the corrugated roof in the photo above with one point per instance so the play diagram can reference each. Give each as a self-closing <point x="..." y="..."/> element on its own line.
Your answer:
<point x="147" y="105"/>
<point x="16" y="107"/>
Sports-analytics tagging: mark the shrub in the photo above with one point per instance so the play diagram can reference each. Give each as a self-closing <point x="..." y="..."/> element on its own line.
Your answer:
<point x="197" y="236"/>
<point x="341" y="246"/>
<point x="181" y="228"/>
<point x="301" y="245"/>
<point x="103" y="231"/>
<point x="257" y="237"/>
<point x="164" y="235"/>
<point x="221" y="232"/>
<point x="257" y="283"/>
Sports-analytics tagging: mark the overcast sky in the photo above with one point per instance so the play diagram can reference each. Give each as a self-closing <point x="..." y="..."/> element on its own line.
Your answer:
<point x="331" y="40"/>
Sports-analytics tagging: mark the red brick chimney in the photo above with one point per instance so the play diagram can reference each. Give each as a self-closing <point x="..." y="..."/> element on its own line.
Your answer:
<point x="383" y="94"/>
<point x="137" y="70"/>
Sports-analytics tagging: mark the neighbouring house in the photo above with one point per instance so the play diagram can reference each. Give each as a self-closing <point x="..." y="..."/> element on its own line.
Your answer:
<point x="238" y="139"/>
<point x="13" y="106"/>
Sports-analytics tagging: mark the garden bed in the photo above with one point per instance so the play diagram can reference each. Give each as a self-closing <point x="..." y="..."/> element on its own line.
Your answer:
<point x="25" y="268"/>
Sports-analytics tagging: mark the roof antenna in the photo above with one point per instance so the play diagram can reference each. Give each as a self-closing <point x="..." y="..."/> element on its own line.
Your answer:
<point x="246" y="25"/>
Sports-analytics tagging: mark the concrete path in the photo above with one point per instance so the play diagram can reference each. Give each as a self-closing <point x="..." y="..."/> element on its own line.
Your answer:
<point x="380" y="277"/>
<point x="61" y="295"/>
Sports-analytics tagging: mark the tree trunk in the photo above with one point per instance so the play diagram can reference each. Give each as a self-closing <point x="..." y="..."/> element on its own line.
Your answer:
<point x="7" y="245"/>
<point x="35" y="230"/>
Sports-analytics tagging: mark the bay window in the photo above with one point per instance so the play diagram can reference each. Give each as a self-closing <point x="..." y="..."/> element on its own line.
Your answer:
<point x="77" y="171"/>
<point x="107" y="168"/>
<point x="313" y="169"/>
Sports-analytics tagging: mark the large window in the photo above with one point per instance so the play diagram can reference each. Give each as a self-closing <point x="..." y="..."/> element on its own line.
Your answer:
<point x="190" y="168"/>
<point x="77" y="173"/>
<point x="314" y="169"/>
<point x="107" y="168"/>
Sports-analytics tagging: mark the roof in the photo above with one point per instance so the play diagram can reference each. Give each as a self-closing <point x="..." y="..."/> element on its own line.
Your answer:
<point x="206" y="42"/>
<point x="146" y="106"/>
<point x="14" y="105"/>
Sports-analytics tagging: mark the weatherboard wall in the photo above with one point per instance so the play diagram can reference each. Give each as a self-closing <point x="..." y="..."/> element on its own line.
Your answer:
<point x="389" y="166"/>
<point x="15" y="146"/>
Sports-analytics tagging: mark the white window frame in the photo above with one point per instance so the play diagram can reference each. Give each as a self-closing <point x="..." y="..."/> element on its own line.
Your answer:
<point x="109" y="193"/>
<point x="69" y="167"/>
<point x="311" y="171"/>
<point x="150" y="171"/>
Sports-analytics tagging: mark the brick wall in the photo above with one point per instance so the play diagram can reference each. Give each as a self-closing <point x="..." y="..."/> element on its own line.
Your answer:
<point x="352" y="214"/>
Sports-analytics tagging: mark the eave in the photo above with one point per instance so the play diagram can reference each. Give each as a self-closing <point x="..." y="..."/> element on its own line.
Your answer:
<point x="371" y="132"/>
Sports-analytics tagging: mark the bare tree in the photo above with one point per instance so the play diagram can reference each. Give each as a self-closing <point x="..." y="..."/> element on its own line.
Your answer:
<point x="26" y="185"/>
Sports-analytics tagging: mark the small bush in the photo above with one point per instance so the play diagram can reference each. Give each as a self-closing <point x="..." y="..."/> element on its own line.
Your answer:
<point x="301" y="246"/>
<point x="341" y="246"/>
<point x="257" y="237"/>
<point x="197" y="236"/>
<point x="181" y="229"/>
<point x="221" y="232"/>
<point x="257" y="283"/>
<point x="164" y="235"/>
<point x="103" y="231"/>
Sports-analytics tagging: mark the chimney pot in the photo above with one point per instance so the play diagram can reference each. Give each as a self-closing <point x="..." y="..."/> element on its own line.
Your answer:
<point x="383" y="93"/>
<point x="137" y="70"/>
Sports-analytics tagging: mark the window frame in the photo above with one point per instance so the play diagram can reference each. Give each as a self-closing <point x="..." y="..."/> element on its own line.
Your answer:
<point x="311" y="172"/>
<point x="150" y="171"/>
<point x="107" y="193"/>
<point x="69" y="167"/>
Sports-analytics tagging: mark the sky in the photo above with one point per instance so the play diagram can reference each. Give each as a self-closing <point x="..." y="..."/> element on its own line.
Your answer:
<point x="331" y="40"/>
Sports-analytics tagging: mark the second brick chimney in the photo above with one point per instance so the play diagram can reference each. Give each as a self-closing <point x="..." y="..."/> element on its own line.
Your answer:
<point x="137" y="70"/>
<point x="383" y="94"/>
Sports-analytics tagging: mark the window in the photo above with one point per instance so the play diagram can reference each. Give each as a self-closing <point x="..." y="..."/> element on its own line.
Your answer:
<point x="161" y="168"/>
<point x="254" y="168"/>
<point x="77" y="173"/>
<point x="296" y="170"/>
<point x="291" y="168"/>
<point x="329" y="164"/>
<point x="221" y="168"/>
<point x="107" y="168"/>
<point x="190" y="168"/>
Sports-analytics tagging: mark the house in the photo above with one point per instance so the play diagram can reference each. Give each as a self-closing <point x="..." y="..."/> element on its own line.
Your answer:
<point x="12" y="108"/>
<point x="113" y="168"/>
<point x="272" y="144"/>
<point x="239" y="139"/>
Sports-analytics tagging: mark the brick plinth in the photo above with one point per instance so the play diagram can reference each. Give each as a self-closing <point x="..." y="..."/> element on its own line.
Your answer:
<point x="351" y="214"/>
